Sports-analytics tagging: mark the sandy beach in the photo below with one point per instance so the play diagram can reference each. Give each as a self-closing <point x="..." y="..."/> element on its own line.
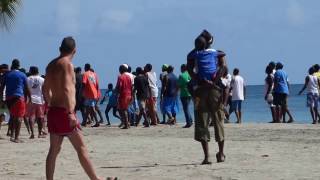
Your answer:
<point x="254" y="151"/>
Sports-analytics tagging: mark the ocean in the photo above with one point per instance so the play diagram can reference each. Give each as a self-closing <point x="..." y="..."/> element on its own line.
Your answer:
<point x="254" y="108"/>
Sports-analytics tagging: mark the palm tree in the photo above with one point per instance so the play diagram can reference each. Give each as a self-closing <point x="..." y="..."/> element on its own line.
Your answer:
<point x="8" y="11"/>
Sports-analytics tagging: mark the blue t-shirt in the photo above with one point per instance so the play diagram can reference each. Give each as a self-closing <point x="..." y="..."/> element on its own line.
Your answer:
<point x="206" y="63"/>
<point x="281" y="78"/>
<point x="112" y="97"/>
<point x="15" y="82"/>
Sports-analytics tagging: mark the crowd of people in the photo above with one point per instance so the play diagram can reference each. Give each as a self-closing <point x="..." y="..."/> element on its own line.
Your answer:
<point x="52" y="101"/>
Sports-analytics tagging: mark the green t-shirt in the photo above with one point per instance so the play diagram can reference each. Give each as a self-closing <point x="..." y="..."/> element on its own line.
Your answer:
<point x="184" y="79"/>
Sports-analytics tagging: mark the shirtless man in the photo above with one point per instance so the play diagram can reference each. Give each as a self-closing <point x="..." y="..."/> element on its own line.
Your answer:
<point x="59" y="92"/>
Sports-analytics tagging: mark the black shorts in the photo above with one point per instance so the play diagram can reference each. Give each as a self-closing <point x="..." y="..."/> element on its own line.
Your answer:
<point x="280" y="99"/>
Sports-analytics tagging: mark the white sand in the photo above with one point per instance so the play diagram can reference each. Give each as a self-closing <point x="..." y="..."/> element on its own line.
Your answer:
<point x="254" y="151"/>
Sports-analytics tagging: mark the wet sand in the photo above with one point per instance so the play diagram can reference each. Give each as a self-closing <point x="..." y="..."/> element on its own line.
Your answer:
<point x="254" y="151"/>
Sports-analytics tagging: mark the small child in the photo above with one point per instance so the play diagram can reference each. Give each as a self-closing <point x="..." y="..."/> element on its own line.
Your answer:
<point x="111" y="95"/>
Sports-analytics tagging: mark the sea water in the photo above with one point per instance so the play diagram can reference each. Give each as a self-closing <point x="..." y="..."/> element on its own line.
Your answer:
<point x="254" y="108"/>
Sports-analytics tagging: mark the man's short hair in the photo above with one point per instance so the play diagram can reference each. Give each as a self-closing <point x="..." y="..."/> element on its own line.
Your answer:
<point x="122" y="69"/>
<point x="139" y="70"/>
<point x="148" y="67"/>
<point x="77" y="70"/>
<point x="170" y="69"/>
<point x="15" y="64"/>
<point x="269" y="69"/>
<point x="183" y="67"/>
<point x="34" y="70"/>
<point x="68" y="44"/>
<point x="110" y="86"/>
<point x="311" y="70"/>
<point x="4" y="66"/>
<point x="200" y="43"/>
<point x="316" y="67"/>
<point x="208" y="37"/>
<point x="87" y="67"/>
<point x="279" y="65"/>
<point x="236" y="71"/>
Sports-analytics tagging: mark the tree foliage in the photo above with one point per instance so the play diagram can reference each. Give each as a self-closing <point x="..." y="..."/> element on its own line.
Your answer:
<point x="8" y="12"/>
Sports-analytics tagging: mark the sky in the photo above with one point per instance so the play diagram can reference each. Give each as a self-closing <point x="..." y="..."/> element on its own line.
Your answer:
<point x="109" y="33"/>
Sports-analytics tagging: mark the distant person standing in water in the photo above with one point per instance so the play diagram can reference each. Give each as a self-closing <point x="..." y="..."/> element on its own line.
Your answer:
<point x="312" y="85"/>
<point x="238" y="89"/>
<point x="281" y="92"/>
<point x="60" y="93"/>
<point x="269" y="82"/>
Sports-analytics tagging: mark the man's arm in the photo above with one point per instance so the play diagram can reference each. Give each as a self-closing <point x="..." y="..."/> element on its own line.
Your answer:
<point x="27" y="93"/>
<point x="68" y="84"/>
<point x="46" y="91"/>
<point x="304" y="86"/>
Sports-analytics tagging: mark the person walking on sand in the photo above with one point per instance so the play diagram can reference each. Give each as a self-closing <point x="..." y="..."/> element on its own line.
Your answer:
<point x="238" y="89"/>
<point x="312" y="84"/>
<point x="124" y="92"/>
<point x="91" y="93"/>
<point x="59" y="93"/>
<point x="142" y="89"/>
<point x="281" y="92"/>
<point x="162" y="77"/>
<point x="35" y="107"/>
<point x="152" y="102"/>
<point x="17" y="93"/>
<point x="208" y="97"/>
<point x="169" y="96"/>
<point x="111" y="94"/>
<point x="185" y="95"/>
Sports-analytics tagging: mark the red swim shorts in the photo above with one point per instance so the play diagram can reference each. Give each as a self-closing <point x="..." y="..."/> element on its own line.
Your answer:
<point x="58" y="122"/>
<point x="124" y="102"/>
<point x="35" y="110"/>
<point x="17" y="107"/>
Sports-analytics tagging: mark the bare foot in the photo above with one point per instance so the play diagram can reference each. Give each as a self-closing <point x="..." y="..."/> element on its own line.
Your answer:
<point x="220" y="157"/>
<point x="206" y="162"/>
<point x="31" y="137"/>
<point x="41" y="136"/>
<point x="17" y="141"/>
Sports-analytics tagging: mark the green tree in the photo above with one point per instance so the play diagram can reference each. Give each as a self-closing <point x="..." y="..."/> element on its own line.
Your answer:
<point x="8" y="11"/>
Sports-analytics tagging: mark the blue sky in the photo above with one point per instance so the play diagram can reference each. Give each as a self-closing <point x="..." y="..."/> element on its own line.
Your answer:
<point x="137" y="32"/>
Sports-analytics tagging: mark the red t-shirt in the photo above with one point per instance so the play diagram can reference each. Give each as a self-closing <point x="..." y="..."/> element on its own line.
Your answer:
<point x="124" y="85"/>
<point x="91" y="85"/>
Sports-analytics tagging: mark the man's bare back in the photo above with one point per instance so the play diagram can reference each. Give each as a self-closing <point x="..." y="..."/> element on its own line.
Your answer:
<point x="60" y="84"/>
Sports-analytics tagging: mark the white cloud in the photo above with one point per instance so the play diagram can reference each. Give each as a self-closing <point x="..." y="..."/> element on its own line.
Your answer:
<point x="115" y="20"/>
<point x="67" y="17"/>
<point x="295" y="13"/>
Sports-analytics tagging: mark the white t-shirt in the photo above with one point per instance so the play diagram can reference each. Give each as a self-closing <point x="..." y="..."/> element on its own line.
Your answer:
<point x="152" y="77"/>
<point x="237" y="86"/>
<point x="35" y="84"/>
<point x="312" y="86"/>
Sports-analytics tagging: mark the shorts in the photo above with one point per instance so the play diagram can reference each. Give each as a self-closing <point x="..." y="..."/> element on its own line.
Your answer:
<point x="59" y="123"/>
<point x="35" y="110"/>
<point x="124" y="102"/>
<point x="142" y="104"/>
<point x="90" y="102"/>
<point x="236" y="105"/>
<point x="312" y="100"/>
<point x="170" y="105"/>
<point x="17" y="107"/>
<point x="208" y="103"/>
<point x="280" y="99"/>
